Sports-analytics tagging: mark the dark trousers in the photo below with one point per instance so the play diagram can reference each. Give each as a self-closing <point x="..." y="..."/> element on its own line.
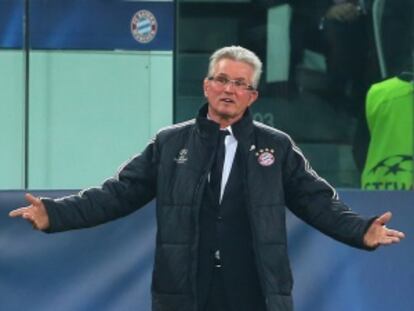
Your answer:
<point x="217" y="298"/>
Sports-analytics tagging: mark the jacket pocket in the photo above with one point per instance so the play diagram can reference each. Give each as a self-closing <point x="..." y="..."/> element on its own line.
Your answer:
<point x="171" y="269"/>
<point x="276" y="269"/>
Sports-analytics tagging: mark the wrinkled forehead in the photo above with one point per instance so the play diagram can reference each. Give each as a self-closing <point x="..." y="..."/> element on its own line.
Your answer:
<point x="233" y="69"/>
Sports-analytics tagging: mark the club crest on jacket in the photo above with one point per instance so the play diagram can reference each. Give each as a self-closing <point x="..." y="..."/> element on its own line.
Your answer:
<point x="265" y="157"/>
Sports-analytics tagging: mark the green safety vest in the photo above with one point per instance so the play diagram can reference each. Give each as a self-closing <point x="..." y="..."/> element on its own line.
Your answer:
<point x="389" y="112"/>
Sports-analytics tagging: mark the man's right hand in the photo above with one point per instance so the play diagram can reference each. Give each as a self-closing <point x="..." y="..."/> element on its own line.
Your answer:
<point x="343" y="12"/>
<point x="35" y="213"/>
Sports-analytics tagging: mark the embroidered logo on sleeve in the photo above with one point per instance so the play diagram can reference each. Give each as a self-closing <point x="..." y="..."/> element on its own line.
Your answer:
<point x="265" y="157"/>
<point x="182" y="157"/>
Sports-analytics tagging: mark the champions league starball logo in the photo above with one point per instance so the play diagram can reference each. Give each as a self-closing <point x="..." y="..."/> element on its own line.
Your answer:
<point x="391" y="172"/>
<point x="393" y="165"/>
<point x="144" y="26"/>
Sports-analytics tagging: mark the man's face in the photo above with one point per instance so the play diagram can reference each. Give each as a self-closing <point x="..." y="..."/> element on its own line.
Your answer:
<point x="228" y="102"/>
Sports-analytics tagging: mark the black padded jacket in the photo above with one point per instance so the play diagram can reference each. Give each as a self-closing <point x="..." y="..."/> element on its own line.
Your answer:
<point x="174" y="167"/>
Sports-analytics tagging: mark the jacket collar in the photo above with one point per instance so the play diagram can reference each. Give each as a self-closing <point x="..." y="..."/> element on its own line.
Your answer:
<point x="242" y="129"/>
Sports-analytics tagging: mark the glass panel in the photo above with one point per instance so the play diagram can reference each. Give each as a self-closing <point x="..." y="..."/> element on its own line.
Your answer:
<point x="97" y="90"/>
<point x="92" y="111"/>
<point x="82" y="115"/>
<point x="100" y="86"/>
<point x="318" y="68"/>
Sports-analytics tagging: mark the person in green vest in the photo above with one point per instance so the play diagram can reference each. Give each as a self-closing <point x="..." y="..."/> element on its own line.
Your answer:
<point x="389" y="112"/>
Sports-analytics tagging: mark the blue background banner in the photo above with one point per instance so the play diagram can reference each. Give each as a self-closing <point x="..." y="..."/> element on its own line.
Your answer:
<point x="109" y="267"/>
<point x="80" y="24"/>
<point x="11" y="24"/>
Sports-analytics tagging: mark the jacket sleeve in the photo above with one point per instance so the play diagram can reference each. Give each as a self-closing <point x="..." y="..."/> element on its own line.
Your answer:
<point x="315" y="201"/>
<point x="130" y="189"/>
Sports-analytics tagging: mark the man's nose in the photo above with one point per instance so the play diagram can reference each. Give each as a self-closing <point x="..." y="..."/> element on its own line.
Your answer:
<point x="229" y="87"/>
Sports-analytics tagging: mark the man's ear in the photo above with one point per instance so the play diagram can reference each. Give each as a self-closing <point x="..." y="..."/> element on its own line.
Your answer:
<point x="205" y="87"/>
<point x="253" y="97"/>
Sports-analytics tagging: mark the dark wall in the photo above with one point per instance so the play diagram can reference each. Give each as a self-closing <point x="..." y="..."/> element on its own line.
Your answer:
<point x="109" y="267"/>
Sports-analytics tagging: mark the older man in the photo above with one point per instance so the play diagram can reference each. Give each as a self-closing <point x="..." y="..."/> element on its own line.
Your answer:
<point x="222" y="183"/>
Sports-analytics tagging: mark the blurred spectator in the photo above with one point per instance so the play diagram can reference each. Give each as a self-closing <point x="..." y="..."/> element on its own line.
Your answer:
<point x="389" y="112"/>
<point x="397" y="35"/>
<point x="397" y="38"/>
<point x="340" y="30"/>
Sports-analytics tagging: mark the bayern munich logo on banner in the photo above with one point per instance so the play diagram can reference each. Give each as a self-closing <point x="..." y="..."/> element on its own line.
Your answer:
<point x="144" y="26"/>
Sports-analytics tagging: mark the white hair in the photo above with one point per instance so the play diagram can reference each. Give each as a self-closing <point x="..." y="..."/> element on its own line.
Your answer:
<point x="240" y="54"/>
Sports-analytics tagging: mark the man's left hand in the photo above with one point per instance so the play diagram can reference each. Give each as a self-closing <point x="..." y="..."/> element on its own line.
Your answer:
<point x="378" y="234"/>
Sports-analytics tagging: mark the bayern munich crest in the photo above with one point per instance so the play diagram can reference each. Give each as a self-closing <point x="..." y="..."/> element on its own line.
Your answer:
<point x="265" y="157"/>
<point x="144" y="26"/>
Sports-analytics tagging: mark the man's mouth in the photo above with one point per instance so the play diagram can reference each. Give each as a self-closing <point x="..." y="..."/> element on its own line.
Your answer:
<point x="227" y="100"/>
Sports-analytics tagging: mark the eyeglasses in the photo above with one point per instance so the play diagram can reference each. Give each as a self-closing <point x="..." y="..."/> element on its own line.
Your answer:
<point x="239" y="85"/>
